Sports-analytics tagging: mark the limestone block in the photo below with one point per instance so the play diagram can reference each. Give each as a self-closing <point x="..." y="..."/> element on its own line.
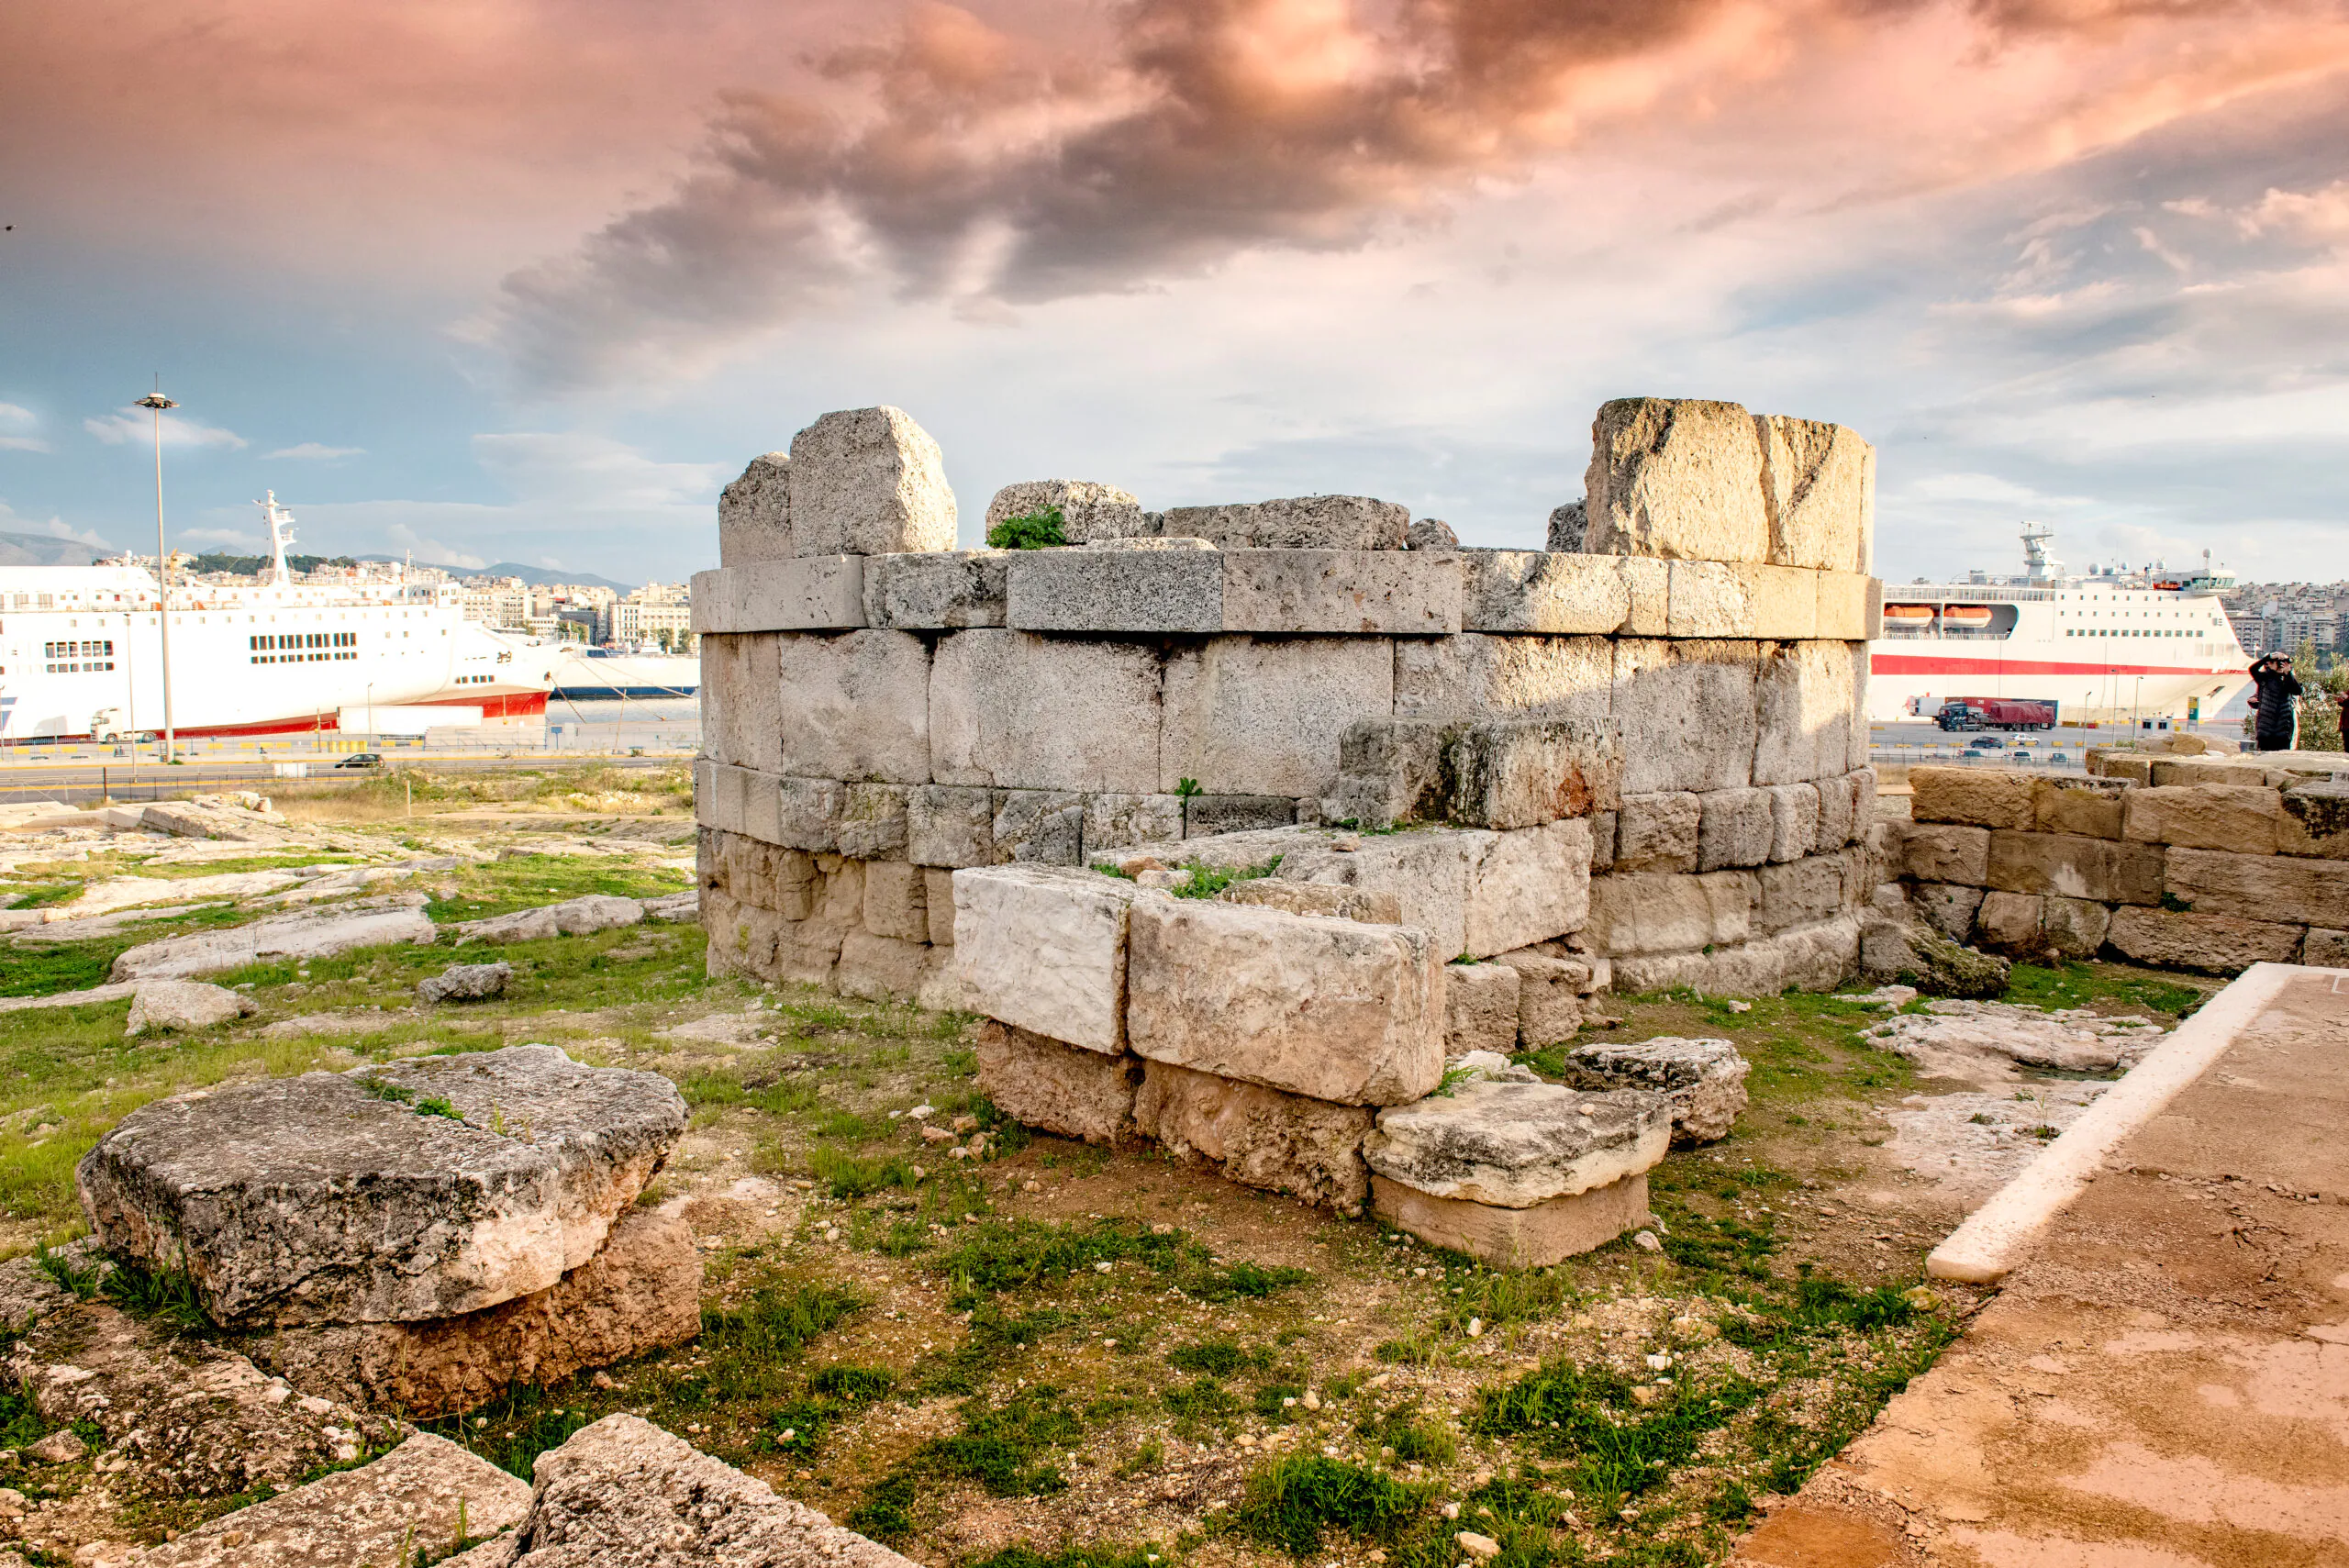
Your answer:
<point x="458" y="983"/>
<point x="1431" y="534"/>
<point x="1512" y="1144"/>
<point x="1089" y="511"/>
<point x="873" y="821"/>
<point x="1819" y="490"/>
<point x="1549" y="995"/>
<point x="897" y="901"/>
<point x="742" y="690"/>
<point x="188" y="1004"/>
<point x="1354" y="592"/>
<point x="330" y="1197"/>
<point x="1042" y="827"/>
<point x="2325" y="949"/>
<point x="1205" y="814"/>
<point x="1531" y="1238"/>
<point x="1686" y="712"/>
<point x="950" y="826"/>
<point x="2010" y="923"/>
<point x="2091" y="807"/>
<point x="1062" y="1089"/>
<point x="2205" y="943"/>
<point x="936" y="590"/>
<point x="1426" y="870"/>
<point x="2315" y="820"/>
<point x="1793" y="820"/>
<point x="1736" y="829"/>
<point x="755" y="513"/>
<point x="1708" y="598"/>
<point x="1259" y="1136"/>
<point x="1263" y="716"/>
<point x="1948" y="909"/>
<point x="1602" y="841"/>
<point x="1524" y="886"/>
<point x="869" y="482"/>
<point x="1839" y="822"/>
<point x="1332" y="1010"/>
<point x="1805" y="693"/>
<point x="1542" y="592"/>
<point x="1843" y="606"/>
<point x="1979" y="798"/>
<point x="1647" y="583"/>
<point x="2166" y="771"/>
<point x="1143" y="591"/>
<point x="1315" y="899"/>
<point x="640" y="1292"/>
<point x="938" y="899"/>
<point x="1799" y="893"/>
<point x="1569" y="525"/>
<point x="1809" y="958"/>
<point x="817" y="592"/>
<point x="1043" y="948"/>
<point x="1475" y="676"/>
<point x="1304" y="522"/>
<point x="1658" y="833"/>
<point x="2281" y="889"/>
<point x="1479" y="1009"/>
<point x="855" y="707"/>
<point x="306" y="934"/>
<point x="2131" y="767"/>
<point x="1784" y="601"/>
<point x="1938" y="852"/>
<point x="2074" y="867"/>
<point x="1020" y="711"/>
<point x="1676" y="478"/>
<point x="2075" y="927"/>
<point x="807" y="815"/>
<point x="1703" y="1079"/>
<point x="1117" y="821"/>
<point x="2244" y="820"/>
<point x="1490" y="773"/>
<point x="1656" y="912"/>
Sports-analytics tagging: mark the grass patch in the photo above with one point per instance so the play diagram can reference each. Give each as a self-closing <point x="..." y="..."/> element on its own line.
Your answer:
<point x="2078" y="984"/>
<point x="1617" y="1448"/>
<point x="1291" y="1502"/>
<point x="1003" y="1448"/>
<point x="1205" y="881"/>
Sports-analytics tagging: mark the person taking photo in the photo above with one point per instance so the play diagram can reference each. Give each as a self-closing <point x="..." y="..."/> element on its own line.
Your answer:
<point x="2276" y="686"/>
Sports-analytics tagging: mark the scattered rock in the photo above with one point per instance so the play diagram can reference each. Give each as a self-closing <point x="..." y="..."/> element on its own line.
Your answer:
<point x="112" y="993"/>
<point x="1513" y="1144"/>
<point x="61" y="1447"/>
<point x="685" y="906"/>
<point x="1479" y="1066"/>
<point x="1704" y="1079"/>
<point x="184" y="1005"/>
<point x="1913" y="951"/>
<point x="572" y="918"/>
<point x="1989" y="1038"/>
<point x="1480" y="1547"/>
<point x="465" y="983"/>
<point x="312" y="933"/>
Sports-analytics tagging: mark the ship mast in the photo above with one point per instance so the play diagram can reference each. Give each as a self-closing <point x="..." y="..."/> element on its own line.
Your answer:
<point x="281" y="534"/>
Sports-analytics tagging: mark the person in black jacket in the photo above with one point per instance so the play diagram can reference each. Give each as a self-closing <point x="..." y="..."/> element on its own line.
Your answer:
<point x="2279" y="726"/>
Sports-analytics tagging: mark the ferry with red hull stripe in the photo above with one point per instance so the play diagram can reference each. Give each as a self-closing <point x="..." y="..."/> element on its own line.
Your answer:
<point x="80" y="653"/>
<point x="2108" y="646"/>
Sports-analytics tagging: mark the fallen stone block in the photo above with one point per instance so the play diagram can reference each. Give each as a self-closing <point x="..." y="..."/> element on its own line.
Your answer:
<point x="1334" y="1010"/>
<point x="1043" y="948"/>
<point x="755" y="513"/>
<point x="1263" y="716"/>
<point x="624" y="1494"/>
<point x="1977" y="798"/>
<point x="868" y="482"/>
<point x="1258" y="1136"/>
<point x="1965" y="1035"/>
<point x="184" y="1005"/>
<point x="1703" y="1079"/>
<point x="310" y="933"/>
<point x="1383" y="592"/>
<point x="1089" y="511"/>
<point x="1303" y="522"/>
<point x="1016" y="710"/>
<point x="2203" y="943"/>
<point x="579" y="917"/>
<point x="640" y="1292"/>
<point x="2072" y="867"/>
<point x="1528" y="1238"/>
<point x="209" y="816"/>
<point x="936" y="590"/>
<point x="1921" y="955"/>
<point x="465" y="983"/>
<point x="1676" y="478"/>
<point x="1134" y="591"/>
<point x="1513" y="1144"/>
<point x="1817" y="491"/>
<point x="1063" y="1089"/>
<point x="1479" y="1009"/>
<point x="419" y="1188"/>
<point x="1542" y="592"/>
<point x="674" y="907"/>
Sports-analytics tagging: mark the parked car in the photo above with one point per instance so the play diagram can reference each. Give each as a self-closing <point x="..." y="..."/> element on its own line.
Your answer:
<point x="361" y="760"/>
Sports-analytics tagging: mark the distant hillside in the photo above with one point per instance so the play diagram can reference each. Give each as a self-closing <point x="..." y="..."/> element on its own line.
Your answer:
<point x="533" y="575"/>
<point x="39" y="550"/>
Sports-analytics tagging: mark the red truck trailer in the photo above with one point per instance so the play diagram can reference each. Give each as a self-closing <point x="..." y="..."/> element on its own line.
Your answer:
<point x="1995" y="713"/>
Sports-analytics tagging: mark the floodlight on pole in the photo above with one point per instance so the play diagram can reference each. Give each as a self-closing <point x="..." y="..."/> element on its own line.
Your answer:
<point x="155" y="401"/>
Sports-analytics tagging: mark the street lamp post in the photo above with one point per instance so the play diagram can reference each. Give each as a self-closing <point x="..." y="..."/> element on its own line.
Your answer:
<point x="156" y="403"/>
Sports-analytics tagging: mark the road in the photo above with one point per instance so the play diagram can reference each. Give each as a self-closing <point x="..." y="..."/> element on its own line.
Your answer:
<point x="87" y="783"/>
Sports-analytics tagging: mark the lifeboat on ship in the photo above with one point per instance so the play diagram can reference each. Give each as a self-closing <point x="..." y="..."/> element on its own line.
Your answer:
<point x="1908" y="617"/>
<point x="1966" y="617"/>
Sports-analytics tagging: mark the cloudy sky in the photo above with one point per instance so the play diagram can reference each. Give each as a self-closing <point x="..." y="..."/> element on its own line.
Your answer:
<point x="530" y="279"/>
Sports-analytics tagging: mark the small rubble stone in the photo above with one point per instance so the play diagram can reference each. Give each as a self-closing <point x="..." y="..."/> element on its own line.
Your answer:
<point x="1704" y="1079"/>
<point x="868" y="482"/>
<point x="184" y="1005"/>
<point x="1928" y="959"/>
<point x="1063" y="1089"/>
<point x="1260" y="1137"/>
<point x="465" y="983"/>
<point x="1431" y="533"/>
<point x="1512" y="1145"/>
<point x="1089" y="511"/>
<point x="63" y="1446"/>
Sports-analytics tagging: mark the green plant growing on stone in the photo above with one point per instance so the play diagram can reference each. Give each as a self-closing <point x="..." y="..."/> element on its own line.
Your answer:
<point x="1040" y="529"/>
<point x="1207" y="881"/>
<point x="1186" y="788"/>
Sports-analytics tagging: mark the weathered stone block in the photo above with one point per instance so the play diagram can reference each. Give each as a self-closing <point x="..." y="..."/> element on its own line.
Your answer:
<point x="1978" y="797"/>
<point x="855" y="707"/>
<point x="1089" y="511"/>
<point x="937" y="896"/>
<point x="1793" y="820"/>
<point x="2091" y="807"/>
<point x="1658" y="833"/>
<point x="1304" y="522"/>
<point x="951" y="825"/>
<point x="1707" y="598"/>
<point x="1333" y="1009"/>
<point x="1785" y="602"/>
<point x="1800" y="892"/>
<point x="1021" y="711"/>
<point x="1479" y="1009"/>
<point x="817" y="592"/>
<point x="2325" y="949"/>
<point x="807" y="815"/>
<point x="1686" y="712"/>
<point x="1839" y="819"/>
<point x="1061" y="1088"/>
<point x="1512" y="1145"/>
<point x="1602" y="841"/>
<point x="2074" y="867"/>
<point x="1141" y="590"/>
<point x="1949" y="909"/>
<point x="742" y="690"/>
<point x="2075" y="927"/>
<point x="1524" y="886"/>
<point x="1042" y="827"/>
<point x="1043" y="948"/>
<point x="1809" y="958"/>
<point x="2204" y="943"/>
<point x="2010" y="923"/>
<point x="1322" y="899"/>
<point x="1492" y="772"/>
<point x="1805" y="693"/>
<point x="1530" y="1238"/>
<point x="1736" y="829"/>
<point x="755" y="513"/>
<point x="897" y="901"/>
<point x="1117" y="821"/>
<point x="1259" y="1136"/>
<point x="1704" y="1080"/>
<point x="1550" y="990"/>
<point x="1647" y="583"/>
<point x="192" y="1005"/>
<point x="873" y="821"/>
<point x="1263" y="716"/>
<point x="1476" y="676"/>
<point x="1353" y="592"/>
<point x="1845" y="606"/>
<point x="1569" y="527"/>
<point x="1542" y="592"/>
<point x="1204" y="815"/>
<point x="869" y="482"/>
<point x="2280" y="889"/>
<point x="1654" y="912"/>
<point x="1676" y="478"/>
<point x="2315" y="820"/>
<point x="1818" y="491"/>
<point x="1941" y="852"/>
<point x="2244" y="820"/>
<point x="936" y="590"/>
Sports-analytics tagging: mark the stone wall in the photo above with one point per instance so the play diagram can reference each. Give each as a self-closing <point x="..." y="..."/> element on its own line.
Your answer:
<point x="2201" y="864"/>
<point x="887" y="711"/>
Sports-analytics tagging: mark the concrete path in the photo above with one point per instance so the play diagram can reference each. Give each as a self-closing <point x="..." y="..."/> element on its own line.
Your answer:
<point x="2164" y="1380"/>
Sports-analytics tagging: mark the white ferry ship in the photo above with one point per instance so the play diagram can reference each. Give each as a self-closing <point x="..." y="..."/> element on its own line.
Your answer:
<point x="2105" y="648"/>
<point x="590" y="675"/>
<point x="80" y="653"/>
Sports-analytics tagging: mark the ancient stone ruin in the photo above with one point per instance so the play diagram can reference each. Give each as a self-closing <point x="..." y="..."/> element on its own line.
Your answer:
<point x="1240" y="820"/>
